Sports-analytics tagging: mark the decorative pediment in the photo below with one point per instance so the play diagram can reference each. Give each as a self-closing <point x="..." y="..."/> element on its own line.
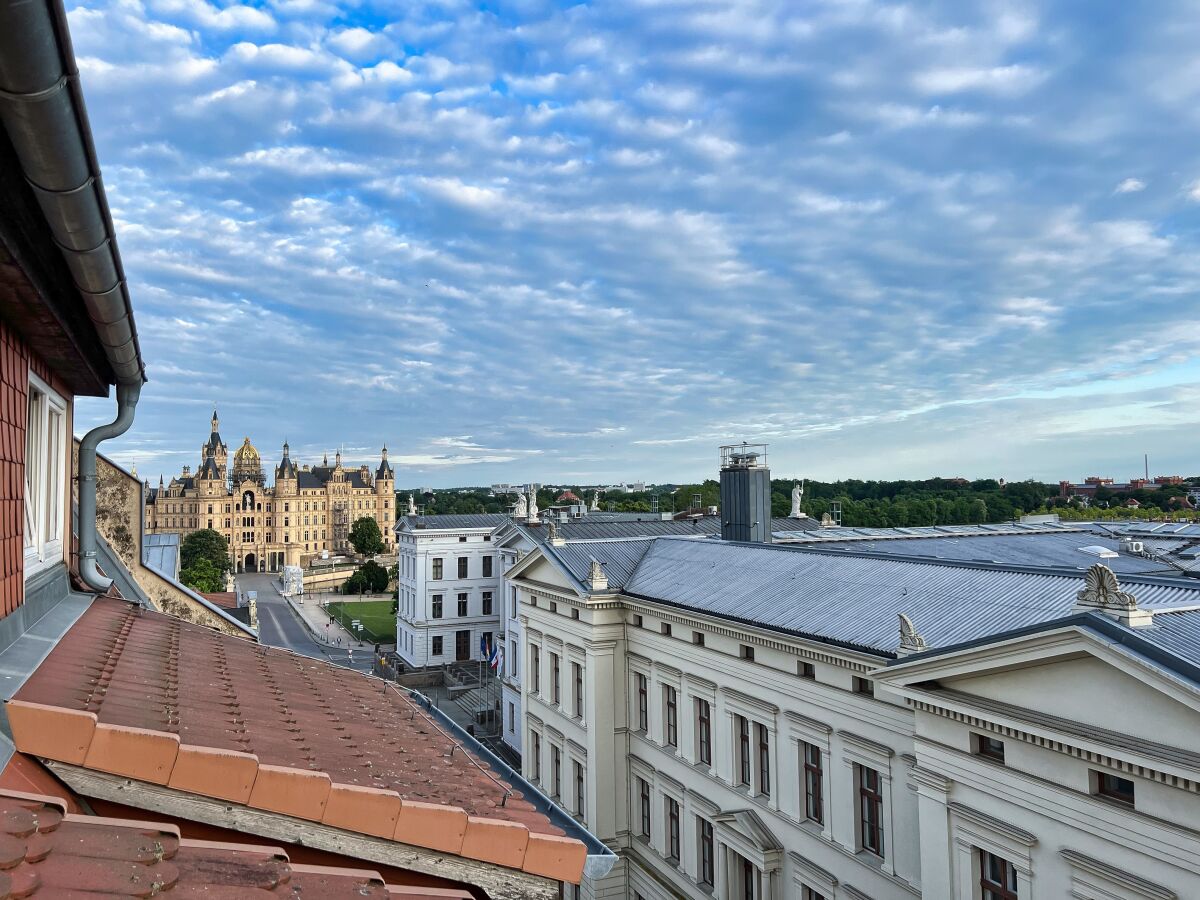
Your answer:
<point x="910" y="640"/>
<point x="1102" y="593"/>
<point x="749" y="836"/>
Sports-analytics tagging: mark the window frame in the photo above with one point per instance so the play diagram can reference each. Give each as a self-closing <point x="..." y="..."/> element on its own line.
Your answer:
<point x="707" y="871"/>
<point x="643" y="702"/>
<point x="438" y="569"/>
<point x="703" y="731"/>
<point x="45" y="476"/>
<point x="671" y="717"/>
<point x="644" y="807"/>
<point x="742" y="734"/>
<point x="990" y="889"/>
<point x="869" y="784"/>
<point x="673" y="850"/>
<point x="812" y="782"/>
<point x="763" y="735"/>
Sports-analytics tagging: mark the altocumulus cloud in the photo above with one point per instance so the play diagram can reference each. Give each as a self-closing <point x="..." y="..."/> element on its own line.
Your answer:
<point x="600" y="238"/>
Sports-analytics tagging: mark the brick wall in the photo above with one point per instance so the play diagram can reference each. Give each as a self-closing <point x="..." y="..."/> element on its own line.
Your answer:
<point x="14" y="378"/>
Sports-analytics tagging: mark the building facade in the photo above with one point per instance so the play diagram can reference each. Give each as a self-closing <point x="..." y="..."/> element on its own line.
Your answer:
<point x="449" y="583"/>
<point x="309" y="510"/>
<point x="755" y="722"/>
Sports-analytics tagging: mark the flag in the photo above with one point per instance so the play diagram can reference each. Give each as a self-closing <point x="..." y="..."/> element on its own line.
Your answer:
<point x="497" y="657"/>
<point x="483" y="647"/>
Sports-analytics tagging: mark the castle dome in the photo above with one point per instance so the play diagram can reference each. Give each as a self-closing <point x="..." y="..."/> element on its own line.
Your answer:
<point x="246" y="453"/>
<point x="247" y="464"/>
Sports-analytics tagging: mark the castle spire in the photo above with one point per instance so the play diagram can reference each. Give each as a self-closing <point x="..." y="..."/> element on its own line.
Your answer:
<point x="215" y="422"/>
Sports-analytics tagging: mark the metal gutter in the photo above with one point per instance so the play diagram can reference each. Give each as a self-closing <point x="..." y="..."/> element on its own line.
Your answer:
<point x="42" y="109"/>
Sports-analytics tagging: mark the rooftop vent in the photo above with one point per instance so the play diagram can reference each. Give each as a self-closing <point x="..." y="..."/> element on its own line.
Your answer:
<point x="1097" y="550"/>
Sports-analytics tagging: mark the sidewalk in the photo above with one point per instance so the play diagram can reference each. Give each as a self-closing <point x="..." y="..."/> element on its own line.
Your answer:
<point x="316" y="620"/>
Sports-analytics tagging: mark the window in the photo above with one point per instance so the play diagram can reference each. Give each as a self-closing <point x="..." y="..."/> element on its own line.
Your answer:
<point x="512" y="717"/>
<point x="814" y="804"/>
<point x="671" y="726"/>
<point x="1114" y="787"/>
<point x="579" y="787"/>
<point x="437" y="606"/>
<point x="704" y="732"/>
<point x="864" y="686"/>
<point x="462" y="604"/>
<point x="637" y="621"/>
<point x="747" y="652"/>
<point x="536" y="746"/>
<point x="870" y="810"/>
<point x="555" y="687"/>
<point x="707" y="866"/>
<point x="45" y="475"/>
<point x="643" y="706"/>
<point x="698" y="638"/>
<point x="806" y="670"/>
<point x="577" y="680"/>
<point x="644" y="803"/>
<point x="743" y="737"/>
<point x="487" y="603"/>
<point x="535" y="668"/>
<point x="810" y="894"/>
<point x="462" y="567"/>
<point x="513" y="613"/>
<point x="487" y="567"/>
<point x="437" y="568"/>
<point x="997" y="877"/>
<point x="437" y="645"/>
<point x="555" y="771"/>
<point x="764" y="759"/>
<point x="673" y="829"/>
<point x="989" y="747"/>
<point x="462" y="539"/>
<point x="665" y="628"/>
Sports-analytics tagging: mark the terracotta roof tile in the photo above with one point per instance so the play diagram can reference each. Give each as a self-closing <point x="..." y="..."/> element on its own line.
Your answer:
<point x="47" y="853"/>
<point x="125" y="682"/>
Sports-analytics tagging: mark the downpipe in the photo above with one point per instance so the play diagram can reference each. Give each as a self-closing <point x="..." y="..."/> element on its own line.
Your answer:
<point x="127" y="398"/>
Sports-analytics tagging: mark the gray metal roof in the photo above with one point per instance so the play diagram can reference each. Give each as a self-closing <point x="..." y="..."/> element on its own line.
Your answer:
<point x="590" y="528"/>
<point x="919" y="531"/>
<point x="1052" y="550"/>
<point x="450" y="520"/>
<point x="854" y="600"/>
<point x="160" y="552"/>
<point x="618" y="558"/>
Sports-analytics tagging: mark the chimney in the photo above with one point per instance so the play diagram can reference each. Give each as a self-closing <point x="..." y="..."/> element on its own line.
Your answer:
<point x="745" y="493"/>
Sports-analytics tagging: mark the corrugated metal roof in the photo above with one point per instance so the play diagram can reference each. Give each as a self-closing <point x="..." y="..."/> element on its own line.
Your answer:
<point x="619" y="558"/>
<point x="919" y="531"/>
<point x="591" y="529"/>
<point x="160" y="552"/>
<point x="1175" y="632"/>
<point x="450" y="520"/>
<point x="854" y="600"/>
<point x="1045" y="550"/>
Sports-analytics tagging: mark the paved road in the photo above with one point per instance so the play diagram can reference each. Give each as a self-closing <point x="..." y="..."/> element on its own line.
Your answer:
<point x="279" y="626"/>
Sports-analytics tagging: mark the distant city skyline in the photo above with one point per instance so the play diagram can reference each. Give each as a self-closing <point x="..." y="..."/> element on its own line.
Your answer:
<point x="593" y="243"/>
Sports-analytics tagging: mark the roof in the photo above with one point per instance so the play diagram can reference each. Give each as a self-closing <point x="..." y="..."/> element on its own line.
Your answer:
<point x="161" y="553"/>
<point x="589" y="528"/>
<point x="53" y="853"/>
<point x="453" y="521"/>
<point x="618" y="558"/>
<point x="318" y="477"/>
<point x="1064" y="550"/>
<point x="853" y="600"/>
<point x="227" y="600"/>
<point x="152" y="698"/>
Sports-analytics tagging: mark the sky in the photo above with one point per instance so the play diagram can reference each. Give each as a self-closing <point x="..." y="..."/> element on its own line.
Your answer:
<point x="589" y="243"/>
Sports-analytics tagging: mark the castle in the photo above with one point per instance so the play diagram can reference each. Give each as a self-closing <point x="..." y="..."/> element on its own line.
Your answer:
<point x="308" y="511"/>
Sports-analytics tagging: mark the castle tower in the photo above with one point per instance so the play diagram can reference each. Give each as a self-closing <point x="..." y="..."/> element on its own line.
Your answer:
<point x="286" y="474"/>
<point x="214" y="443"/>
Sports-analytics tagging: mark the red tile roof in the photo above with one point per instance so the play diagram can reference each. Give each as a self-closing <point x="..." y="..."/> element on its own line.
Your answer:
<point x="47" y="852"/>
<point x="223" y="599"/>
<point x="150" y="697"/>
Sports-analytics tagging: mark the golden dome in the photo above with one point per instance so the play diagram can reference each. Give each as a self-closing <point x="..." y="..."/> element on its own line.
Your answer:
<point x="246" y="453"/>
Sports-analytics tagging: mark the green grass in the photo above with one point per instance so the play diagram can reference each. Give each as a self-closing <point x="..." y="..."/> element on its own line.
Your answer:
<point x="378" y="620"/>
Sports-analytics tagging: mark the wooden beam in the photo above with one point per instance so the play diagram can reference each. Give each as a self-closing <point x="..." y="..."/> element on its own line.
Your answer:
<point x="500" y="882"/>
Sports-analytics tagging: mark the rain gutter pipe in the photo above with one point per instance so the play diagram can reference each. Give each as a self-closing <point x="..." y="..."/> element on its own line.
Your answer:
<point x="42" y="109"/>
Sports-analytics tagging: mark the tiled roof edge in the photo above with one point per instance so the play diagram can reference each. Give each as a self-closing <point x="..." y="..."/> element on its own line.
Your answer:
<point x="78" y="738"/>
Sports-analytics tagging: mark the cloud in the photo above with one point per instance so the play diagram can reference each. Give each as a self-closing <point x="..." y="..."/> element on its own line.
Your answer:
<point x="547" y="240"/>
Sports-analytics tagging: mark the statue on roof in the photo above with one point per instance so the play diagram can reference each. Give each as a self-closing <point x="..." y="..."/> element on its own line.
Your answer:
<point x="532" y="513"/>
<point x="412" y="506"/>
<point x="797" y="499"/>
<point x="595" y="501"/>
<point x="520" y="507"/>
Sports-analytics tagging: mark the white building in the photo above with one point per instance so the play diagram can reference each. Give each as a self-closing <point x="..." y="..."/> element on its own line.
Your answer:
<point x="449" y="582"/>
<point x="753" y="721"/>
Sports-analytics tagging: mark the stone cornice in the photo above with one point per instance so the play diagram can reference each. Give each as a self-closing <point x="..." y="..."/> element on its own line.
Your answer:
<point x="983" y="820"/>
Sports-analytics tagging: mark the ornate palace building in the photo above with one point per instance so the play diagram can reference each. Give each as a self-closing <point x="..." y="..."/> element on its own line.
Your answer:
<point x="308" y="510"/>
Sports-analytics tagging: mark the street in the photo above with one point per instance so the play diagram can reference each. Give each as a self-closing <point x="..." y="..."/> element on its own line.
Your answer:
<point x="279" y="626"/>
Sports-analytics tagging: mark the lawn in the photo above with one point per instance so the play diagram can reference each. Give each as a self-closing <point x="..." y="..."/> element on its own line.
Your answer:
<point x="378" y="620"/>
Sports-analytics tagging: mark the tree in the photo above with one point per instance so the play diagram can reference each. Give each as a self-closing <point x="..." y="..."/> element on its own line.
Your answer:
<point x="208" y="545"/>
<point x="374" y="576"/>
<point x="203" y="576"/>
<point x="366" y="537"/>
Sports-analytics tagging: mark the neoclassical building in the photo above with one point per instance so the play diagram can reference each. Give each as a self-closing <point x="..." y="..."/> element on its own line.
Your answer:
<point x="308" y="510"/>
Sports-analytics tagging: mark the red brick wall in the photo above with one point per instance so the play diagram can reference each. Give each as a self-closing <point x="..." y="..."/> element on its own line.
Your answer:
<point x="14" y="377"/>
